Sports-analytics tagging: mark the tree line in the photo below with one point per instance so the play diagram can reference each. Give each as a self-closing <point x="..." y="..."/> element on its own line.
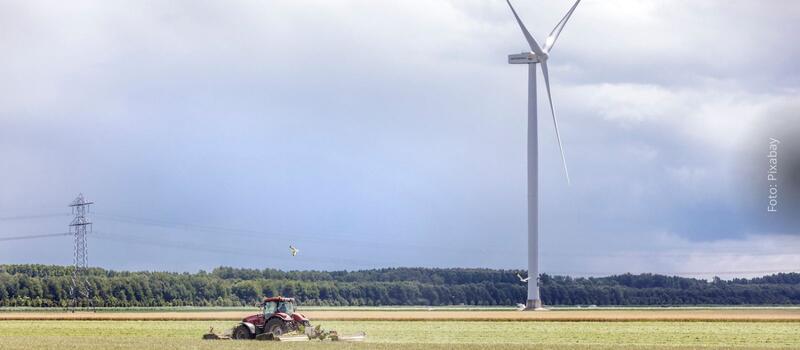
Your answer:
<point x="49" y="286"/>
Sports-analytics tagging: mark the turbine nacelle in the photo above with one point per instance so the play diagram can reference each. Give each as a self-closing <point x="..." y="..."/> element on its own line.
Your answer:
<point x="527" y="58"/>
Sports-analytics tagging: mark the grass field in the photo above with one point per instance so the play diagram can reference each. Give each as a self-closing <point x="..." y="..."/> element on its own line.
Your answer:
<point x="477" y="333"/>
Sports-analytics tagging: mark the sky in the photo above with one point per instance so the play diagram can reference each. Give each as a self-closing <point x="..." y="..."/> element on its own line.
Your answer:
<point x="392" y="133"/>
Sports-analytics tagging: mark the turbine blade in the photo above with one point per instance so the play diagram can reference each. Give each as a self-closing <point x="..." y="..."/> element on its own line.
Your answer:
<point x="555" y="121"/>
<point x="551" y="39"/>
<point x="531" y="41"/>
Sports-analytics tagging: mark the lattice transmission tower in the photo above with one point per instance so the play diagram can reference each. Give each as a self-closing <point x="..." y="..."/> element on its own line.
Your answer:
<point x="80" y="290"/>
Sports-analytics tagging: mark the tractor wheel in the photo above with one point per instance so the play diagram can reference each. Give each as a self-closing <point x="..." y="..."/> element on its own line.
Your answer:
<point x="275" y="326"/>
<point x="242" y="332"/>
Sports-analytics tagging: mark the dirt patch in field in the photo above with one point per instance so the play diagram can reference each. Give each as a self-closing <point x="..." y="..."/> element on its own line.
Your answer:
<point x="755" y="315"/>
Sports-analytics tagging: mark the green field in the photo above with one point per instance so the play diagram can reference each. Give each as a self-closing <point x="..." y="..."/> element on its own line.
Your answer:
<point x="411" y="335"/>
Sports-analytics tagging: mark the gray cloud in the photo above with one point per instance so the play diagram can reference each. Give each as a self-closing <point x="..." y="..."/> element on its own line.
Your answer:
<point x="392" y="133"/>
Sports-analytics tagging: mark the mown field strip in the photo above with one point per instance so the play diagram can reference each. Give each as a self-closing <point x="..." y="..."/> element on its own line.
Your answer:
<point x="666" y="315"/>
<point x="397" y="335"/>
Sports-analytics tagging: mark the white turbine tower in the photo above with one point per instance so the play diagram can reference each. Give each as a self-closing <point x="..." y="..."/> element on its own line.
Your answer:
<point x="540" y="55"/>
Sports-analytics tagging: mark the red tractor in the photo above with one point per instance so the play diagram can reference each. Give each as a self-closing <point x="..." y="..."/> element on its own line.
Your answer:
<point x="277" y="316"/>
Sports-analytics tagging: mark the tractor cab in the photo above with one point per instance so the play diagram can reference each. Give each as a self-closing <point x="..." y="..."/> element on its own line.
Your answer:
<point x="271" y="306"/>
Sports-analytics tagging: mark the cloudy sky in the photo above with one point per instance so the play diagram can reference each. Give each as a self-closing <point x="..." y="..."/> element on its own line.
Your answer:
<point x="392" y="133"/>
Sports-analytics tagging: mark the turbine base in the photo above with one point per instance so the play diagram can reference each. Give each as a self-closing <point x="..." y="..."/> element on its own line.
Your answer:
<point x="534" y="305"/>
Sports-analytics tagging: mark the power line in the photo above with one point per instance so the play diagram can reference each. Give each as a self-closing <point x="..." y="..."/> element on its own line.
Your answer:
<point x="352" y="241"/>
<point x="220" y="229"/>
<point x="44" y="235"/>
<point x="27" y="217"/>
<point x="586" y="255"/>
<point x="216" y="248"/>
<point x="168" y="244"/>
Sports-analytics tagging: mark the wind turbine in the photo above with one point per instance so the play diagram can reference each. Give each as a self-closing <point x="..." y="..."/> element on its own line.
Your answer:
<point x="539" y="55"/>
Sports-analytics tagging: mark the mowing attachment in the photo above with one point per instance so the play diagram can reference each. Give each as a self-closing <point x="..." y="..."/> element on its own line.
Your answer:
<point x="302" y="334"/>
